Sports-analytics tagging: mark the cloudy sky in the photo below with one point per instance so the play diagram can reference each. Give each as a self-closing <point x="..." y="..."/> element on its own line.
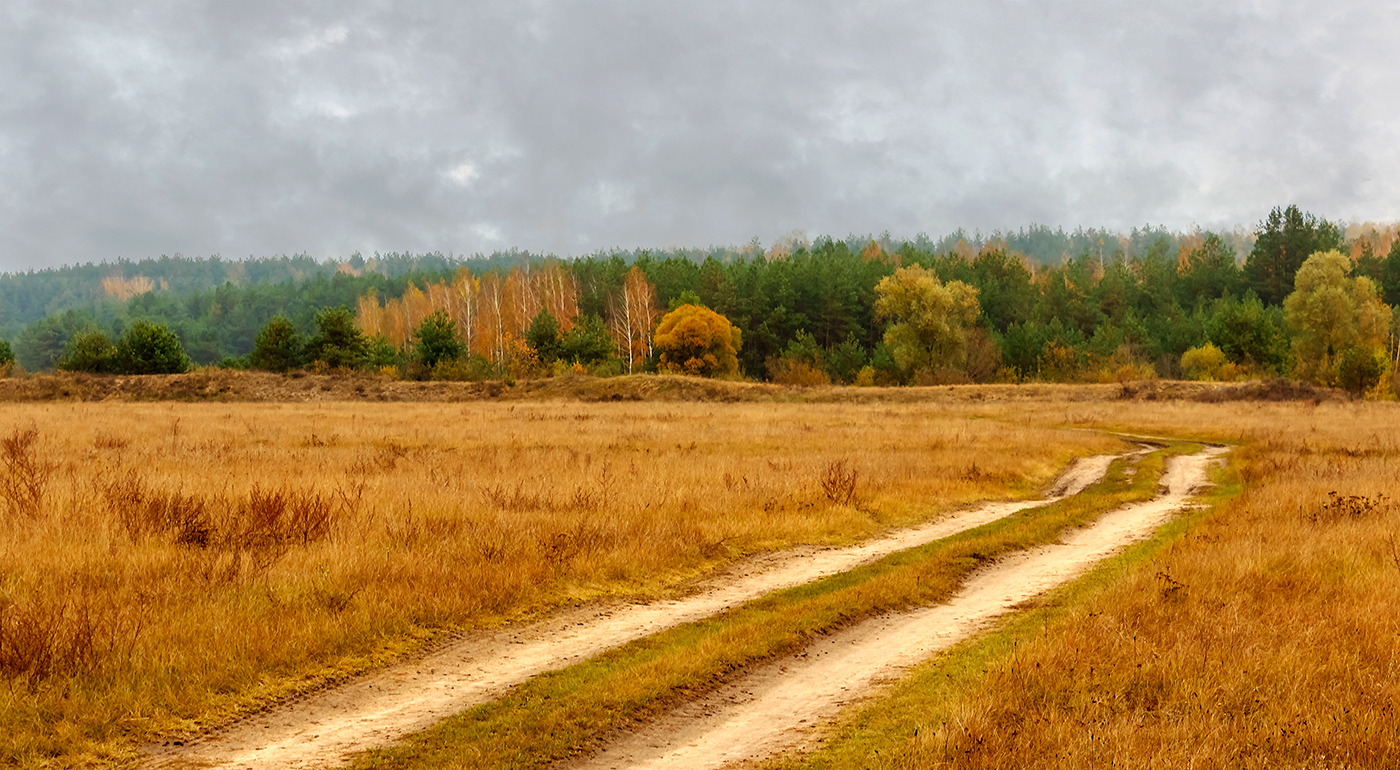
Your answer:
<point x="241" y="128"/>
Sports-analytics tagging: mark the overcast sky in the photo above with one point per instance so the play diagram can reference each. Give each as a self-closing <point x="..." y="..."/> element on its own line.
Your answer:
<point x="139" y="128"/>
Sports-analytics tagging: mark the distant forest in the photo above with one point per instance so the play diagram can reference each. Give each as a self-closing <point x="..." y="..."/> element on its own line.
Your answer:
<point x="1051" y="305"/>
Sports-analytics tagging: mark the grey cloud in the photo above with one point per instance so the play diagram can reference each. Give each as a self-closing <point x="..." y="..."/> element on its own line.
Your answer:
<point x="262" y="128"/>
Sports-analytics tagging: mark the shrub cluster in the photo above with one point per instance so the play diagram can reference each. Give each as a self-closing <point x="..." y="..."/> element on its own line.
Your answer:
<point x="435" y="351"/>
<point x="144" y="348"/>
<point x="240" y="536"/>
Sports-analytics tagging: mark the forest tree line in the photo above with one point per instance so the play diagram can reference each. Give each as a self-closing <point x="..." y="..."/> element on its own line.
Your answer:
<point x="1148" y="304"/>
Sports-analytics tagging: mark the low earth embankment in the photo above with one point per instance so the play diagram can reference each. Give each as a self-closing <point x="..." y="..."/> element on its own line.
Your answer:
<point x="222" y="385"/>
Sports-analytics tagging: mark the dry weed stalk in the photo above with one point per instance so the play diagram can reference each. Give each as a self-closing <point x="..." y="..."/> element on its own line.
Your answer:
<point x="1349" y="507"/>
<point x="66" y="633"/>
<point x="263" y="522"/>
<point x="838" y="482"/>
<point x="24" y="475"/>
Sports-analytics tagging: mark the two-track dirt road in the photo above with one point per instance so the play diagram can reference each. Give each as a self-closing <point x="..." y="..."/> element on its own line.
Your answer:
<point x="774" y="707"/>
<point x="323" y="729"/>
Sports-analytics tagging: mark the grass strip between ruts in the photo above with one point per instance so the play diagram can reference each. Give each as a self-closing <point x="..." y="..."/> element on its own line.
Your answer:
<point x="557" y="714"/>
<point x="934" y="691"/>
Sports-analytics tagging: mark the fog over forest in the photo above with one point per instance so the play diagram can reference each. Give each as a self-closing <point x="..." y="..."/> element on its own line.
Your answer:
<point x="260" y="128"/>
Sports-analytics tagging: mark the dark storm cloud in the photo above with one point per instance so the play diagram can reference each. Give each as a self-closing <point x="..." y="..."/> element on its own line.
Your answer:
<point x="258" y="128"/>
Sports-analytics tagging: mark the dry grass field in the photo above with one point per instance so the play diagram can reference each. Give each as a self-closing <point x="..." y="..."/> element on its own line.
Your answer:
<point x="1264" y="632"/>
<point x="165" y="566"/>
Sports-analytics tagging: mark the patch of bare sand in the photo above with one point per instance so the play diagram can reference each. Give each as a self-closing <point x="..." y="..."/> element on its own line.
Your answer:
<point x="775" y="707"/>
<point x="323" y="729"/>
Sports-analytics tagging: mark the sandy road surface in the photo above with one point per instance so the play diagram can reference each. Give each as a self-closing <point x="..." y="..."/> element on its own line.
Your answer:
<point x="774" y="707"/>
<point x="377" y="710"/>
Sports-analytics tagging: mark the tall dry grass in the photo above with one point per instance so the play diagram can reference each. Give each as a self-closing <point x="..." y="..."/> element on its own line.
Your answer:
<point x="164" y="566"/>
<point x="1267" y="635"/>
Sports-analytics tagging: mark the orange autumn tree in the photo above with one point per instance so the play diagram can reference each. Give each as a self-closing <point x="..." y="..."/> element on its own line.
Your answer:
<point x="696" y="340"/>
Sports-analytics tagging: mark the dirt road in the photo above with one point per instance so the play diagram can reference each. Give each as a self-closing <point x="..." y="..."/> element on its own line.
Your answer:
<point x="380" y="709"/>
<point x="774" y="707"/>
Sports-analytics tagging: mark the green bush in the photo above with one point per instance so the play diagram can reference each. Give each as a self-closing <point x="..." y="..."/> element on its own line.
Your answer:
<point x="381" y="354"/>
<point x="89" y="350"/>
<point x="588" y="343"/>
<point x="845" y="361"/>
<point x="437" y="340"/>
<point x="543" y="337"/>
<point x="612" y="367"/>
<point x="1361" y="370"/>
<point x="147" y="348"/>
<point x="278" y="347"/>
<point x="337" y="343"/>
<point x="472" y="368"/>
<point x="240" y="363"/>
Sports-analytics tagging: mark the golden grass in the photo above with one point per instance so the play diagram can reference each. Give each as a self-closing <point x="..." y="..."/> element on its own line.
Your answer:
<point x="1262" y="633"/>
<point x="183" y="563"/>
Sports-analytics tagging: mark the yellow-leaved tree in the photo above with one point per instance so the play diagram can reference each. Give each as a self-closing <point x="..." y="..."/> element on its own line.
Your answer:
<point x="696" y="340"/>
<point x="1331" y="313"/>
<point x="929" y="319"/>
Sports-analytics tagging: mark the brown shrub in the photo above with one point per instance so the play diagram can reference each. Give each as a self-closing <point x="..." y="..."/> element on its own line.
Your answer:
<point x="64" y="633"/>
<point x="788" y="371"/>
<point x="838" y="482"/>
